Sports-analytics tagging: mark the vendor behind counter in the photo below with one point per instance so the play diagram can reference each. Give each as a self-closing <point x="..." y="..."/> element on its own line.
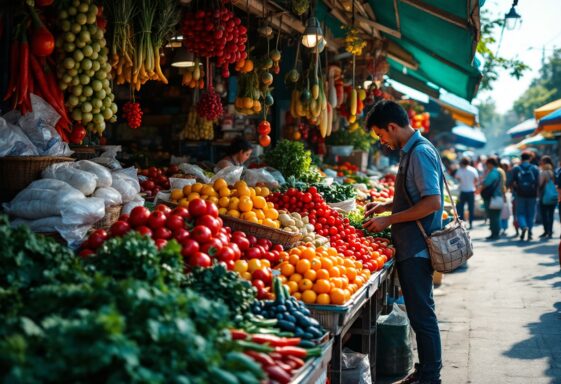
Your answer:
<point x="238" y="152"/>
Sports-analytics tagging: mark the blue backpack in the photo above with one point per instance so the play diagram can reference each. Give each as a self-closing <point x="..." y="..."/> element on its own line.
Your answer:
<point x="526" y="182"/>
<point x="550" y="195"/>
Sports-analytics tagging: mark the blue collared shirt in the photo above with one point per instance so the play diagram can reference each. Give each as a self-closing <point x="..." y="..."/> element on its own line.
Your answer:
<point x="424" y="178"/>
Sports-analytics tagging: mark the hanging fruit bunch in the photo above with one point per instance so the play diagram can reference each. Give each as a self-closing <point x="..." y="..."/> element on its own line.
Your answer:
<point x="210" y="105"/>
<point x="264" y="128"/>
<point x="82" y="66"/>
<point x="244" y="66"/>
<point x="193" y="77"/>
<point x="417" y="116"/>
<point x="247" y="101"/>
<point x="133" y="114"/>
<point x="215" y="33"/>
<point x="354" y="44"/>
<point x="197" y="127"/>
<point x="299" y="7"/>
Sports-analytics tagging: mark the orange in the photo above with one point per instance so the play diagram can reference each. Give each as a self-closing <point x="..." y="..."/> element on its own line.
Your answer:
<point x="287" y="269"/>
<point x="351" y="273"/>
<point x="347" y="295"/>
<point x="296" y="251"/>
<point x="322" y="286"/>
<point x="219" y="184"/>
<point x="310" y="275"/>
<point x="213" y="200"/>
<point x="223" y="202"/>
<point x="292" y="286"/>
<point x="309" y="296"/>
<point x="257" y="191"/>
<point x="334" y="272"/>
<point x="316" y="264"/>
<point x="272" y="213"/>
<point x="242" y="188"/>
<point x="259" y="202"/>
<point x="337" y="296"/>
<point x="344" y="282"/>
<point x="246" y="276"/>
<point x="358" y="265"/>
<point x="234" y="203"/>
<point x="336" y="282"/>
<point x="293" y="258"/>
<point x="234" y="192"/>
<point x="323" y="299"/>
<point x="252" y="192"/>
<point x="264" y="192"/>
<point x="270" y="223"/>
<point x="254" y="219"/>
<point x="240" y="266"/>
<point x="308" y="253"/>
<point x="196" y="187"/>
<point x="342" y="270"/>
<point x="332" y="251"/>
<point x="233" y="213"/>
<point x="259" y="213"/>
<point x="322" y="274"/>
<point x="184" y="202"/>
<point x="296" y="277"/>
<point x="266" y="263"/>
<point x="176" y="194"/>
<point x="348" y="263"/>
<point x="249" y="215"/>
<point x="359" y="281"/>
<point x="224" y="192"/>
<point x="326" y="263"/>
<point x="245" y="204"/>
<point x="305" y="284"/>
<point x="270" y="205"/>
<point x="283" y="256"/>
<point x="187" y="190"/>
<point x="352" y="288"/>
<point x="222" y="211"/>
<point x="208" y="190"/>
<point x="297" y="295"/>
<point x="303" y="266"/>
<point x="193" y="195"/>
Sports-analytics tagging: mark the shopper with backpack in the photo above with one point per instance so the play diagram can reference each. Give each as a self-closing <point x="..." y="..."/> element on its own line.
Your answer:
<point x="525" y="181"/>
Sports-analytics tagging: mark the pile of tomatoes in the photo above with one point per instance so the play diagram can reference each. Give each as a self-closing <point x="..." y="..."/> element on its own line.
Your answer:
<point x="347" y="240"/>
<point x="157" y="179"/>
<point x="210" y="105"/>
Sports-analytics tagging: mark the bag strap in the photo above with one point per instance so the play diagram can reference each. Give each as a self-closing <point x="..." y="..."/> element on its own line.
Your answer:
<point x="421" y="228"/>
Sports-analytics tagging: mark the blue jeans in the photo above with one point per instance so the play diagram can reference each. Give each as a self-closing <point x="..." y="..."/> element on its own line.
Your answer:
<point x="526" y="211"/>
<point x="415" y="278"/>
<point x="466" y="197"/>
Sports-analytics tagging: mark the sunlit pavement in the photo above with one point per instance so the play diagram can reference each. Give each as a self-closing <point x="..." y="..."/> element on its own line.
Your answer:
<point x="500" y="318"/>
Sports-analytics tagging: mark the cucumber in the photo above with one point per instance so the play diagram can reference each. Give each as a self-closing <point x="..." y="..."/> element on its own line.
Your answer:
<point x="308" y="336"/>
<point x="286" y="325"/>
<point x="298" y="332"/>
<point x="306" y="344"/>
<point x="290" y="318"/>
<point x="247" y="378"/>
<point x="239" y="361"/>
<point x="316" y="332"/>
<point x="221" y="376"/>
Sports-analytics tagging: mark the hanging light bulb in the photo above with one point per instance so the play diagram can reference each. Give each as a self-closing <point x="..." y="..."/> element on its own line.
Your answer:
<point x="312" y="34"/>
<point x="183" y="59"/>
<point x="512" y="18"/>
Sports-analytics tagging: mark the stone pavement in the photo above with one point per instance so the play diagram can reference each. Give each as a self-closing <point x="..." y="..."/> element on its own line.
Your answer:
<point x="500" y="317"/>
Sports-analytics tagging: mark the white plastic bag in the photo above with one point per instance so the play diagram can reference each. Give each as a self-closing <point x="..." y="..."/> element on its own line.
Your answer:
<point x="195" y="170"/>
<point x="356" y="368"/>
<point x="344" y="206"/>
<point x="178" y="183"/>
<point x="42" y="198"/>
<point x="231" y="174"/>
<point x="109" y="195"/>
<point x="260" y="176"/>
<point x="83" y="212"/>
<point x="13" y="142"/>
<point x="138" y="201"/>
<point x="277" y="175"/>
<point x="84" y="181"/>
<point x="130" y="175"/>
<point x="104" y="178"/>
<point x="108" y="159"/>
<point x="73" y="234"/>
<point x="126" y="190"/>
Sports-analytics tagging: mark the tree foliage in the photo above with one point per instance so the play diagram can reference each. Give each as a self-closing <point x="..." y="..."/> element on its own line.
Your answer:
<point x="492" y="62"/>
<point x="543" y="89"/>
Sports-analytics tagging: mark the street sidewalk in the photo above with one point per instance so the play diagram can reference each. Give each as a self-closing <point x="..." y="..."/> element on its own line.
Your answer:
<point x="500" y="317"/>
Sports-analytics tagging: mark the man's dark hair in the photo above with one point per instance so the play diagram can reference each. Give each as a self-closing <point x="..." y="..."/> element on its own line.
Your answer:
<point x="385" y="112"/>
<point x="239" y="144"/>
<point x="526" y="156"/>
<point x="464" y="162"/>
<point x="493" y="161"/>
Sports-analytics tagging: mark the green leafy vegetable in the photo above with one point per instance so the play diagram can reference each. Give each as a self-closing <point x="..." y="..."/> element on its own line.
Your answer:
<point x="292" y="159"/>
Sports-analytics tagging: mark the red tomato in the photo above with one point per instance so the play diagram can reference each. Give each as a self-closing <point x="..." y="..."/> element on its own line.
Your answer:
<point x="278" y="248"/>
<point x="119" y="228"/>
<point x="263" y="275"/>
<point x="226" y="254"/>
<point x="237" y="252"/>
<point x="212" y="209"/>
<point x="210" y="222"/>
<point x="264" y="140"/>
<point x="97" y="238"/>
<point x="181" y="211"/>
<point x="162" y="233"/>
<point x="147" y="185"/>
<point x="267" y="244"/>
<point x="212" y="247"/>
<point x="157" y="219"/>
<point x="124" y="217"/>
<point x="175" y="222"/>
<point x="197" y="207"/>
<point x="86" y="252"/>
<point x="242" y="243"/>
<point x="190" y="247"/>
<point x="253" y="253"/>
<point x="139" y="216"/>
<point x="259" y="284"/>
<point x="42" y="42"/>
<point x="144" y="230"/>
<point x="223" y="238"/>
<point x="181" y="234"/>
<point x="162" y="208"/>
<point x="264" y="127"/>
<point x="160" y="243"/>
<point x="252" y="240"/>
<point x="201" y="233"/>
<point x="199" y="259"/>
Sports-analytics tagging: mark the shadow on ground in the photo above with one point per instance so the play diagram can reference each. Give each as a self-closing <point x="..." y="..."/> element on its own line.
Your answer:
<point x="546" y="334"/>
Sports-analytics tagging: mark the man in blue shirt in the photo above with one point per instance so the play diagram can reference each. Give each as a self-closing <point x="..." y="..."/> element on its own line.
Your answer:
<point x="525" y="182"/>
<point x="418" y="197"/>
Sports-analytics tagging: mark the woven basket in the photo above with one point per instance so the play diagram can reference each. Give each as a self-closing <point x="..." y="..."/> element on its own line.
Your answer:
<point x="111" y="216"/>
<point x="286" y="239"/>
<point x="83" y="153"/>
<point x="17" y="172"/>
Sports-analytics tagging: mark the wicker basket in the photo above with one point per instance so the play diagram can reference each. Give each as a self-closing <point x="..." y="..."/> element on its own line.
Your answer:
<point x="111" y="216"/>
<point x="17" y="172"/>
<point x="83" y="152"/>
<point x="286" y="239"/>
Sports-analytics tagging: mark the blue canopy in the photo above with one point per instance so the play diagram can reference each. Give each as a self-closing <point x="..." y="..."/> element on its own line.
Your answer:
<point x="525" y="128"/>
<point x="551" y="122"/>
<point x="469" y="136"/>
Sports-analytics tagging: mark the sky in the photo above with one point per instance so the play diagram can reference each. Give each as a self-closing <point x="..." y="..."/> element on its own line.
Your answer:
<point x="541" y="27"/>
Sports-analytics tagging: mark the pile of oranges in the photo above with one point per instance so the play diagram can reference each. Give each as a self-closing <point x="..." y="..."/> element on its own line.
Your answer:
<point x="321" y="275"/>
<point x="241" y="201"/>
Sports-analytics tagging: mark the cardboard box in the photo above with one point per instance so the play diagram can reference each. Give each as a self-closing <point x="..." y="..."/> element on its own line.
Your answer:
<point x="358" y="158"/>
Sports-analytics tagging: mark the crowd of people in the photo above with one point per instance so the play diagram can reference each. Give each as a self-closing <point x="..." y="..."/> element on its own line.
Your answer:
<point x="527" y="190"/>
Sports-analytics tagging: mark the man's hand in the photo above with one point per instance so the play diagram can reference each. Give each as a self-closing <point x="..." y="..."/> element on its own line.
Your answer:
<point x="377" y="224"/>
<point x="375" y="208"/>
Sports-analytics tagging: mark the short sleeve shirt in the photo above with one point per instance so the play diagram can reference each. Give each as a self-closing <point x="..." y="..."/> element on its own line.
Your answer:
<point x="467" y="177"/>
<point x="424" y="177"/>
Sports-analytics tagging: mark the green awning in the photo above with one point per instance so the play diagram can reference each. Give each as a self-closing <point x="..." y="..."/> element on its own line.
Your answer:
<point x="441" y="35"/>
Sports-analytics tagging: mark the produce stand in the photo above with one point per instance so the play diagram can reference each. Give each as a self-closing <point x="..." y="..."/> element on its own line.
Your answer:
<point x="315" y="370"/>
